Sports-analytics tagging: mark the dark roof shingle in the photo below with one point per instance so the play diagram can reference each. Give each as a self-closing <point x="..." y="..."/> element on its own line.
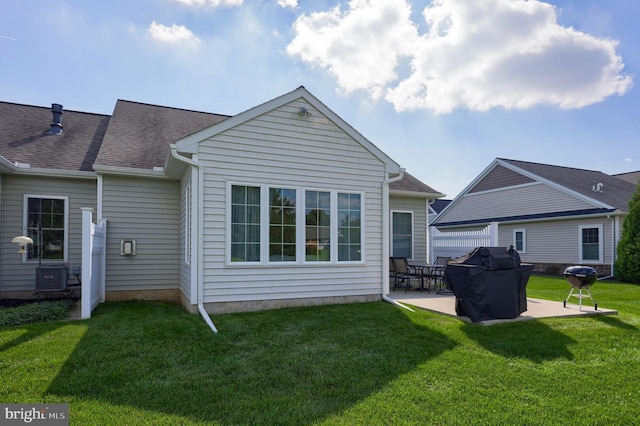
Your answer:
<point x="139" y="134"/>
<point x="613" y="191"/>
<point x="24" y="137"/>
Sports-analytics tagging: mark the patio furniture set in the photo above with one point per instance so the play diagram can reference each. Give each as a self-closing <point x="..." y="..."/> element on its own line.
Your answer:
<point x="429" y="276"/>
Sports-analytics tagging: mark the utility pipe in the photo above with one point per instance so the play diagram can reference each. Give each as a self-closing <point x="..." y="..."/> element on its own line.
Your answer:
<point x="199" y="246"/>
<point x="385" y="239"/>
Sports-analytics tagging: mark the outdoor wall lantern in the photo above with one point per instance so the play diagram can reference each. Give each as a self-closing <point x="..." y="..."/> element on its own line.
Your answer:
<point x="22" y="242"/>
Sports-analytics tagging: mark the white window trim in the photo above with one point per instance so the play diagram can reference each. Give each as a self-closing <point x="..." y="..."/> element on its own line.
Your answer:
<point x="265" y="217"/>
<point x="524" y="239"/>
<point x="25" y="218"/>
<point x="300" y="226"/>
<point x="334" y="228"/>
<point x="413" y="229"/>
<point x="600" y="243"/>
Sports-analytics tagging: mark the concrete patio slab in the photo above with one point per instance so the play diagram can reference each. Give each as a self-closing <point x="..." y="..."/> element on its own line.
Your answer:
<point x="536" y="308"/>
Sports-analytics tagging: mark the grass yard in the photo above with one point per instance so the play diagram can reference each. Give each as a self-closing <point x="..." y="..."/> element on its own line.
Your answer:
<point x="154" y="364"/>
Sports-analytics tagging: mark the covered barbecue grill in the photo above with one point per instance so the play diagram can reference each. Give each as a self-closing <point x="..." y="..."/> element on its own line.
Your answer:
<point x="580" y="277"/>
<point x="489" y="283"/>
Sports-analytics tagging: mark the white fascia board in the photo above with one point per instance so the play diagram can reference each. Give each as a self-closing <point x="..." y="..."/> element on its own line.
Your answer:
<point x="129" y="171"/>
<point x="557" y="186"/>
<point x="41" y="172"/>
<point x="190" y="143"/>
<point x="413" y="194"/>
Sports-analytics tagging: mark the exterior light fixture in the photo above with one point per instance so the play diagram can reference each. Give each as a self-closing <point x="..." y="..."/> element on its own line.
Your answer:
<point x="304" y="113"/>
<point x="22" y="242"/>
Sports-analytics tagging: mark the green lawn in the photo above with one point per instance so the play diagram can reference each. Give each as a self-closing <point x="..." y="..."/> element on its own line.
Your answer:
<point x="152" y="363"/>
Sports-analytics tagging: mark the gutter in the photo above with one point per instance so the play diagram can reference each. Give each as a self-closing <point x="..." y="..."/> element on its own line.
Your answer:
<point x="385" y="240"/>
<point x="199" y="246"/>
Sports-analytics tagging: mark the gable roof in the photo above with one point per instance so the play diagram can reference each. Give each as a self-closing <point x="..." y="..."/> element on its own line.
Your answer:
<point x="612" y="192"/>
<point x="409" y="185"/>
<point x="24" y="137"/>
<point x="139" y="134"/>
<point x="605" y="192"/>
<point x="189" y="144"/>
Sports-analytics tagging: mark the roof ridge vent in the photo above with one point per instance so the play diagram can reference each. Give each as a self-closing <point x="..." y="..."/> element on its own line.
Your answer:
<point x="56" y="126"/>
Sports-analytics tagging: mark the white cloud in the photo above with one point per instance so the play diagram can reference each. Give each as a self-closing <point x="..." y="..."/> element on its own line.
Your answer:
<point x="293" y="4"/>
<point x="361" y="46"/>
<point x="478" y="54"/>
<point x="173" y="34"/>
<point x="211" y="3"/>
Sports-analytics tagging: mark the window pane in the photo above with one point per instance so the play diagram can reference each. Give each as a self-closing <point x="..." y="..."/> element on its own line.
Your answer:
<point x="318" y="226"/>
<point x="519" y="240"/>
<point x="349" y="227"/>
<point x="45" y="226"/>
<point x="245" y="224"/>
<point x="590" y="244"/>
<point x="402" y="235"/>
<point x="402" y="246"/>
<point x="282" y="221"/>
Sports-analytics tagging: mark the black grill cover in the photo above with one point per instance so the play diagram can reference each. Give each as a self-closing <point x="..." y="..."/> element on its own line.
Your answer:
<point x="489" y="283"/>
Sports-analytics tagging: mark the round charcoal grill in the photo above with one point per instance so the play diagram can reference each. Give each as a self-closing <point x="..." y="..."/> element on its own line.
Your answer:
<point x="580" y="277"/>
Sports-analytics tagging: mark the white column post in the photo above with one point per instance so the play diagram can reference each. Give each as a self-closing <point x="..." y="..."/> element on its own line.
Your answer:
<point x="87" y="243"/>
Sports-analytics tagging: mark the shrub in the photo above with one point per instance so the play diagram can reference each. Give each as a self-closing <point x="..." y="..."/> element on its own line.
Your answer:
<point x="627" y="266"/>
<point x="35" y="312"/>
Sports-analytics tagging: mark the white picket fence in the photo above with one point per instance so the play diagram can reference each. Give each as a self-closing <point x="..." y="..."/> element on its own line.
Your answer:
<point x="456" y="243"/>
<point x="94" y="254"/>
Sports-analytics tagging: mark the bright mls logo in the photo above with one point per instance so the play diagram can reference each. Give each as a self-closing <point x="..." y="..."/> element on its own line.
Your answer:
<point x="37" y="414"/>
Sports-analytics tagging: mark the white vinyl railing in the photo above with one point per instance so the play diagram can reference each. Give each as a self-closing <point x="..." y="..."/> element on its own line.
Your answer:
<point x="456" y="243"/>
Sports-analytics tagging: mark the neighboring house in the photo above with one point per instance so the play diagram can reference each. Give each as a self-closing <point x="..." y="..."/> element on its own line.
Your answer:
<point x="284" y="204"/>
<point x="554" y="216"/>
<point x="436" y="206"/>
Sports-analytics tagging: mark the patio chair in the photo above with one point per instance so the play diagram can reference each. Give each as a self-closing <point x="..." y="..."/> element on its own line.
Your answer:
<point x="437" y="273"/>
<point x="403" y="273"/>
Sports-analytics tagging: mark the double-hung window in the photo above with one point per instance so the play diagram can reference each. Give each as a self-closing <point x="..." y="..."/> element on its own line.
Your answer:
<point x="282" y="225"/>
<point x="46" y="223"/>
<point x="402" y="234"/>
<point x="317" y="226"/>
<point x="285" y="225"/>
<point x="591" y="243"/>
<point x="520" y="240"/>
<point x="349" y="227"/>
<point x="245" y="223"/>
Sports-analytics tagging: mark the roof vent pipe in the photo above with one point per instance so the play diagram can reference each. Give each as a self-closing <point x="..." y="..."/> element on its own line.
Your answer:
<point x="56" y="126"/>
<point x="597" y="187"/>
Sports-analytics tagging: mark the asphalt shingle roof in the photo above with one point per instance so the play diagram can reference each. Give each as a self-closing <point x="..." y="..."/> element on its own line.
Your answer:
<point x="614" y="191"/>
<point x="410" y="183"/>
<point x="139" y="134"/>
<point x="24" y="137"/>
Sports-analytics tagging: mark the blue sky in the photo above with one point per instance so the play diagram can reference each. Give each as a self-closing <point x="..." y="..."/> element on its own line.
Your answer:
<point x="443" y="86"/>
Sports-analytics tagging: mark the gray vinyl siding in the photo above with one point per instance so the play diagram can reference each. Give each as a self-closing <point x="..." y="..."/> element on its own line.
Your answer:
<point x="515" y="201"/>
<point x="16" y="275"/>
<point x="148" y="211"/>
<point x="419" y="209"/>
<point x="279" y="148"/>
<point x="556" y="241"/>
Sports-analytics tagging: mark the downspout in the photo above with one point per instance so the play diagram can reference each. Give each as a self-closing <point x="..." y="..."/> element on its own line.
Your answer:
<point x="199" y="249"/>
<point x="385" y="239"/>
<point x="613" y="246"/>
